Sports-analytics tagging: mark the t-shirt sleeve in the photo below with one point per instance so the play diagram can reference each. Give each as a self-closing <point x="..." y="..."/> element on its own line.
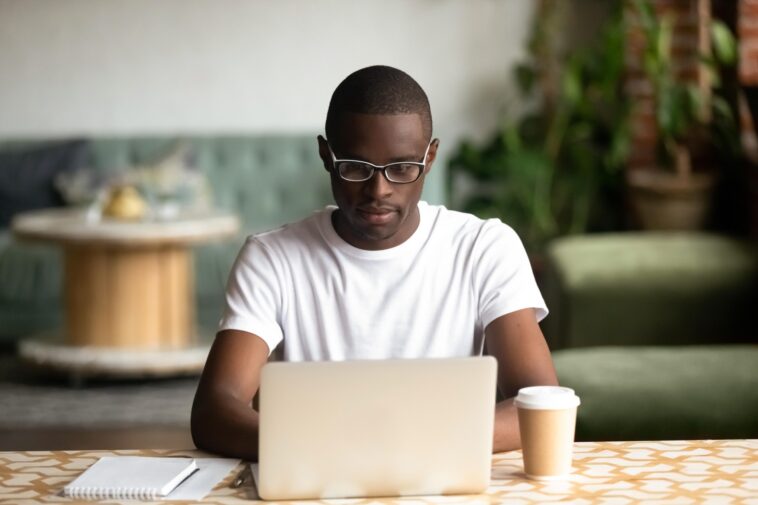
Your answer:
<point x="253" y="295"/>
<point x="503" y="275"/>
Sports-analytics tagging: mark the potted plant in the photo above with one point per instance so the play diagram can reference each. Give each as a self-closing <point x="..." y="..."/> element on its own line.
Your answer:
<point x="556" y="170"/>
<point x="674" y="194"/>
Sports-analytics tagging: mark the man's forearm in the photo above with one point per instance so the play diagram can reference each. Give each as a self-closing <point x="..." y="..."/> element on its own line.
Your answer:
<point x="227" y="427"/>
<point x="507" y="436"/>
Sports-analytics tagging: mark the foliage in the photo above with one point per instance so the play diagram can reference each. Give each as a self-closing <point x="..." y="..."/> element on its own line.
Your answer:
<point x="684" y="110"/>
<point x="557" y="169"/>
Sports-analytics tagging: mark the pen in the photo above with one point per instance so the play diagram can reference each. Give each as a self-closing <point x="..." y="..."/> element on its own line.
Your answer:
<point x="241" y="476"/>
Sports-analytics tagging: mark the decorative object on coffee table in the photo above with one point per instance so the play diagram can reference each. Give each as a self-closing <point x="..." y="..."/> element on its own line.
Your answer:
<point x="124" y="202"/>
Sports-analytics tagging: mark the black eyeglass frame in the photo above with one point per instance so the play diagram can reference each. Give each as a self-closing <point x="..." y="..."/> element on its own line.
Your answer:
<point x="383" y="168"/>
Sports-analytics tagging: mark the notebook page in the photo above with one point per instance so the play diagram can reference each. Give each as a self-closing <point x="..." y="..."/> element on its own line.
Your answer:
<point x="130" y="477"/>
<point x="211" y="472"/>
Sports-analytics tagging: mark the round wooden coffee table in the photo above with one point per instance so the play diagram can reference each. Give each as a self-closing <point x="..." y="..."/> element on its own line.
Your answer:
<point x="128" y="291"/>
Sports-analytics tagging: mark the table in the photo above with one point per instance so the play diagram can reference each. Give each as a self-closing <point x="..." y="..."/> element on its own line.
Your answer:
<point x="723" y="471"/>
<point x="128" y="289"/>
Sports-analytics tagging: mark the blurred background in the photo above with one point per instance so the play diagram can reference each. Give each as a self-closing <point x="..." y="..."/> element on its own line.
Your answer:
<point x="616" y="137"/>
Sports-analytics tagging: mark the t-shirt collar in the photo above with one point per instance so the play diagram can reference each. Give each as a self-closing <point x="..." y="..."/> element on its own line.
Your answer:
<point x="410" y="246"/>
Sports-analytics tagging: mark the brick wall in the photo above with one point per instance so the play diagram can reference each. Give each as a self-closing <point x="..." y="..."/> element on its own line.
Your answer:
<point x="747" y="30"/>
<point x="690" y="37"/>
<point x="747" y="26"/>
<point x="690" y="19"/>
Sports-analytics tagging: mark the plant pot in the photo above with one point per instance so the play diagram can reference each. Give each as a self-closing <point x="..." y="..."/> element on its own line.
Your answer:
<point x="667" y="201"/>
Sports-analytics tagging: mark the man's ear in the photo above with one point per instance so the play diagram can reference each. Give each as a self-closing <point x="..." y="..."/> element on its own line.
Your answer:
<point x="431" y="155"/>
<point x="323" y="152"/>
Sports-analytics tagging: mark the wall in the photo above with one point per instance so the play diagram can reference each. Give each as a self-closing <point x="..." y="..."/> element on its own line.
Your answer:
<point x="140" y="66"/>
<point x="748" y="33"/>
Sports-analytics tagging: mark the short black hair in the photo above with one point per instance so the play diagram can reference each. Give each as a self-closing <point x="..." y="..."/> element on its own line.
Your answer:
<point x="378" y="90"/>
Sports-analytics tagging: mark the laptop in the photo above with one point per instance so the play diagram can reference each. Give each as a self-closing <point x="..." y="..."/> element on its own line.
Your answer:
<point x="360" y="429"/>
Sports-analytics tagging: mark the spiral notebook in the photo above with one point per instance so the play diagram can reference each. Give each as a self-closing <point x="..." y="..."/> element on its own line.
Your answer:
<point x="131" y="478"/>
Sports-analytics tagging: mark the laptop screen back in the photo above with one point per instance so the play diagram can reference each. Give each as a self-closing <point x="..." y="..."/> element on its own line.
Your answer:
<point x="376" y="428"/>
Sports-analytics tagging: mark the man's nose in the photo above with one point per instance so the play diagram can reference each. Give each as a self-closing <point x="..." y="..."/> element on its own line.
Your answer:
<point x="378" y="186"/>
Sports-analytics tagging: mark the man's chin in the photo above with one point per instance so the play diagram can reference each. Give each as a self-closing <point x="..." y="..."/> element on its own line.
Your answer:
<point x="377" y="233"/>
<point x="372" y="233"/>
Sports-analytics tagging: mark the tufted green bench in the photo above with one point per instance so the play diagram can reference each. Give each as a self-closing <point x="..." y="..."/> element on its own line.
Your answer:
<point x="268" y="180"/>
<point x="657" y="333"/>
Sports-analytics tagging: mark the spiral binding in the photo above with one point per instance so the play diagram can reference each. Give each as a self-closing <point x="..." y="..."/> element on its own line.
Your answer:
<point x="113" y="493"/>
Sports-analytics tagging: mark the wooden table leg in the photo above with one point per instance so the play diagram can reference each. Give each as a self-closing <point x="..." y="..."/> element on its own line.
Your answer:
<point x="129" y="297"/>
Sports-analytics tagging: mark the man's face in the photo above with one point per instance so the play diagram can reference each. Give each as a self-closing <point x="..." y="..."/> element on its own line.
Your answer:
<point x="377" y="214"/>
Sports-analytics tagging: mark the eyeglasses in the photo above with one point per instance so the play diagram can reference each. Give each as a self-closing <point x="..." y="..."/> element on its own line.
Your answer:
<point x="399" y="172"/>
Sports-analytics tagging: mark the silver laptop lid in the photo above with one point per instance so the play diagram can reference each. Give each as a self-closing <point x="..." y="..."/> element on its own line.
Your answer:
<point x="376" y="428"/>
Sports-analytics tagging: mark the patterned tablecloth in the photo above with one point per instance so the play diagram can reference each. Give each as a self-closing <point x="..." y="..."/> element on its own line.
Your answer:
<point x="700" y="471"/>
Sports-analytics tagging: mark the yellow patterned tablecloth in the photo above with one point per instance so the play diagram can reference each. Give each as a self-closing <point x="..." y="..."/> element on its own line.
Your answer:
<point x="699" y="471"/>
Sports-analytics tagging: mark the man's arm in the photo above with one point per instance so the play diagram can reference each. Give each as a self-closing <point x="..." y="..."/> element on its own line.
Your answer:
<point x="223" y="420"/>
<point x="523" y="359"/>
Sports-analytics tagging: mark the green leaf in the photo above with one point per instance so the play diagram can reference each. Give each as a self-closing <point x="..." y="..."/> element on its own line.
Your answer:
<point x="572" y="86"/>
<point x="525" y="78"/>
<point x="663" y="41"/>
<point x="723" y="43"/>
<point x="696" y="103"/>
<point x="721" y="108"/>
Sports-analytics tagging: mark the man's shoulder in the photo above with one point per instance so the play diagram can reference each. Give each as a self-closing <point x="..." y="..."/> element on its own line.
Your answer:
<point x="304" y="231"/>
<point x="466" y="225"/>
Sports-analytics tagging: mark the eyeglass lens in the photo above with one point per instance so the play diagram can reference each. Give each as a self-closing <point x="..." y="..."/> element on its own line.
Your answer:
<point x="396" y="172"/>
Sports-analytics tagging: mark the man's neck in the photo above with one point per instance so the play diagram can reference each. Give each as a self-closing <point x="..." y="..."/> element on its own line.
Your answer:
<point x="371" y="243"/>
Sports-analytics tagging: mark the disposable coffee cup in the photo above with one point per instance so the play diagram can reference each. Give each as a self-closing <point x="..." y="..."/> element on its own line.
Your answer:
<point x="547" y="419"/>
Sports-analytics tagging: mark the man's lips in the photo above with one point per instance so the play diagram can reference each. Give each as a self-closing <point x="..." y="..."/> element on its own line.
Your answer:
<point x="376" y="215"/>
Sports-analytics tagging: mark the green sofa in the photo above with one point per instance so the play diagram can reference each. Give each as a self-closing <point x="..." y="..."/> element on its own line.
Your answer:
<point x="657" y="334"/>
<point x="266" y="180"/>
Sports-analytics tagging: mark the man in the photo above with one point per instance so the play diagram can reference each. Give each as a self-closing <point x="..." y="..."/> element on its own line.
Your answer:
<point x="380" y="276"/>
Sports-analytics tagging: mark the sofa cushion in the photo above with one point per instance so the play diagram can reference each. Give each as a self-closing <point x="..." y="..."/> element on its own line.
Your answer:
<point x="27" y="176"/>
<point x="30" y="273"/>
<point x="30" y="286"/>
<point x="656" y="393"/>
<point x="642" y="288"/>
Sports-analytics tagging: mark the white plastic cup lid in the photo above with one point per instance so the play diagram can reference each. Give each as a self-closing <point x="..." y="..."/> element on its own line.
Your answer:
<point x="546" y="398"/>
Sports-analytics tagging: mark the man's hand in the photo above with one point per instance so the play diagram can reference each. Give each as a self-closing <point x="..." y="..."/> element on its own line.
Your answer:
<point x="523" y="359"/>
<point x="223" y="420"/>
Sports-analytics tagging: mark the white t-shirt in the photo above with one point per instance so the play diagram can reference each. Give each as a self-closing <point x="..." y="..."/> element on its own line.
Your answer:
<point x="431" y="296"/>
